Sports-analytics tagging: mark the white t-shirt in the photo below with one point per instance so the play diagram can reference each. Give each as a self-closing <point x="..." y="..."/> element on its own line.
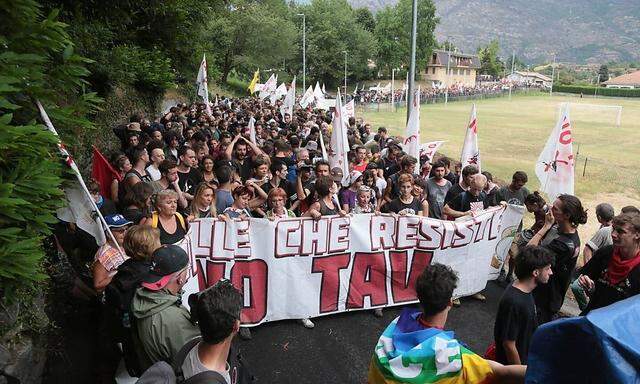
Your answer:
<point x="192" y="365"/>
<point x="154" y="172"/>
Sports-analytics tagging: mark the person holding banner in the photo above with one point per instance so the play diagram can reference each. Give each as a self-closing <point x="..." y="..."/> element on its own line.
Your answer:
<point x="325" y="205"/>
<point x="109" y="256"/>
<point x="437" y="188"/>
<point x="559" y="235"/>
<point x="469" y="202"/>
<point x="172" y="225"/>
<point x="407" y="203"/>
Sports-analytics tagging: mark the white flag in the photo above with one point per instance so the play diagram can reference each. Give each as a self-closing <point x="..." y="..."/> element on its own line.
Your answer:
<point x="252" y="130"/>
<point x="80" y="210"/>
<point x="307" y="97"/>
<point x="349" y="110"/>
<point x="289" y="100"/>
<point x="339" y="146"/>
<point x="556" y="163"/>
<point x="429" y="149"/>
<point x="470" y="151"/>
<point x="280" y="91"/>
<point x="269" y="87"/>
<point x="201" y="81"/>
<point x="412" y="140"/>
<point x="355" y="91"/>
<point x="323" y="147"/>
<point x="324" y="90"/>
<point x="317" y="93"/>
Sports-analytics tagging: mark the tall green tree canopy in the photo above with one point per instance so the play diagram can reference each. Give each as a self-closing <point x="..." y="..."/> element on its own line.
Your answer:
<point x="490" y="63"/>
<point x="331" y="30"/>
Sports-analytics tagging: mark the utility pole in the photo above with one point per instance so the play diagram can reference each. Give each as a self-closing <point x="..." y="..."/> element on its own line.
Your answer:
<point x="553" y="73"/>
<point x="393" y="70"/>
<point x="304" y="51"/>
<point x="345" y="75"/>
<point x="595" y="92"/>
<point x="412" y="67"/>
<point x="446" y="90"/>
<point x="513" y="59"/>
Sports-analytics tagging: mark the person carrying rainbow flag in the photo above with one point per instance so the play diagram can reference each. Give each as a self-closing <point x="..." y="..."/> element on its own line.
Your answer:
<point x="415" y="348"/>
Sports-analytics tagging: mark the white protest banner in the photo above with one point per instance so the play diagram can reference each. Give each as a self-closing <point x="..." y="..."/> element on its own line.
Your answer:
<point x="429" y="149"/>
<point x="300" y="268"/>
<point x="349" y="110"/>
<point x="307" y="97"/>
<point x="201" y="81"/>
<point x="555" y="165"/>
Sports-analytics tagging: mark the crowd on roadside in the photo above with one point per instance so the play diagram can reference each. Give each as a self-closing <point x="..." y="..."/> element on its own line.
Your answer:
<point x="429" y="94"/>
<point x="189" y="164"/>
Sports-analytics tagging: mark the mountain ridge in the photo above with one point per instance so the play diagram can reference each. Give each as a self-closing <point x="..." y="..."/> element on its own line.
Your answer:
<point x="576" y="31"/>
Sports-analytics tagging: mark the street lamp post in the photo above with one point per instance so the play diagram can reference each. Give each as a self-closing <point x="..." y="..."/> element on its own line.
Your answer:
<point x="595" y="92"/>
<point x="553" y="73"/>
<point x="345" y="75"/>
<point x="412" y="67"/>
<point x="446" y="90"/>
<point x="304" y="51"/>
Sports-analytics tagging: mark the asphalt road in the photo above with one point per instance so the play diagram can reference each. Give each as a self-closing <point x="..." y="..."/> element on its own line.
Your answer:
<point x="339" y="348"/>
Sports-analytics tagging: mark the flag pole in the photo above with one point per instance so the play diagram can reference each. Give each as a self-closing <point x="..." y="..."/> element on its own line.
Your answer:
<point x="76" y="172"/>
<point x="412" y="67"/>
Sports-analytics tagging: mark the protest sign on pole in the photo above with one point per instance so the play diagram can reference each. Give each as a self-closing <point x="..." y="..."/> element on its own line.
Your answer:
<point x="307" y="97"/>
<point x="300" y="268"/>
<point x="252" y="130"/>
<point x="317" y="93"/>
<point x="289" y="100"/>
<point x="470" y="152"/>
<point x="412" y="140"/>
<point x="556" y="164"/>
<point x="429" y="149"/>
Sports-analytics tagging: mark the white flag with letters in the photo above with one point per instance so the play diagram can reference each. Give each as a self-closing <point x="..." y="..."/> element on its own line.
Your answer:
<point x="339" y="146"/>
<point x="289" y="100"/>
<point x="307" y="97"/>
<point x="412" y="140"/>
<point x="556" y="164"/>
<point x="470" y="151"/>
<point x="201" y="81"/>
<point x="317" y="93"/>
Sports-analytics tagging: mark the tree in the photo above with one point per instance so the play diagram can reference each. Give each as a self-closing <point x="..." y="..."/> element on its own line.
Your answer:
<point x="518" y="64"/>
<point x="365" y="19"/>
<point x="38" y="62"/>
<point x="425" y="41"/>
<point x="490" y="63"/>
<point x="448" y="46"/>
<point x="604" y="73"/>
<point x="387" y="34"/>
<point x="247" y="34"/>
<point x="331" y="30"/>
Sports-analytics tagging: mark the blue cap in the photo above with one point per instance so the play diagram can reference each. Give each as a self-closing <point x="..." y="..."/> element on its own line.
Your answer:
<point x="116" y="221"/>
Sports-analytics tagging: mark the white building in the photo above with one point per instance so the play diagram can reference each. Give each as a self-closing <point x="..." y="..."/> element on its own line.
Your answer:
<point x="530" y="78"/>
<point x="629" y="80"/>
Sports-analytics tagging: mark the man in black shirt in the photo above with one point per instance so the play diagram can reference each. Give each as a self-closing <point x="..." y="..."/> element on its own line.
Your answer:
<point x="460" y="186"/>
<point x="469" y="202"/>
<point x="516" y="317"/>
<point x="613" y="273"/>
<point x="188" y="175"/>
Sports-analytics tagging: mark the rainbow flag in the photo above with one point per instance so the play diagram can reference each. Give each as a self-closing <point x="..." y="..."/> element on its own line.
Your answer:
<point x="407" y="352"/>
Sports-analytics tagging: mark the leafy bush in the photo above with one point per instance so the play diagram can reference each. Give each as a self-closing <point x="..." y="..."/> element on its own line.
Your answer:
<point x="590" y="90"/>
<point x="37" y="61"/>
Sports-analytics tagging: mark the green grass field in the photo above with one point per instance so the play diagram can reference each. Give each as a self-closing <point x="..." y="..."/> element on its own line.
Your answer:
<point x="513" y="132"/>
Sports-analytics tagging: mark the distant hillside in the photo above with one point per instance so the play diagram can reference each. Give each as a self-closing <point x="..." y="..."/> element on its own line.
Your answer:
<point x="578" y="31"/>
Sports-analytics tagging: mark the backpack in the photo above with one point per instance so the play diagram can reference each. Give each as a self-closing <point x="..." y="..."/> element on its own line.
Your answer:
<point x="118" y="297"/>
<point x="154" y="220"/>
<point x="162" y="372"/>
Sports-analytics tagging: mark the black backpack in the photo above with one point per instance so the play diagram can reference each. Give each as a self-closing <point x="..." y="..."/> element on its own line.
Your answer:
<point x="162" y="372"/>
<point x="118" y="297"/>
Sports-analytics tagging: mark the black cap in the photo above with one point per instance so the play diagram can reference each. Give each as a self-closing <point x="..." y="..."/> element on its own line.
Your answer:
<point x="166" y="260"/>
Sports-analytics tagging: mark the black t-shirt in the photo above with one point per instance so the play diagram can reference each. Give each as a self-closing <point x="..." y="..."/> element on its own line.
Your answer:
<point x="397" y="206"/>
<point x="288" y="188"/>
<point x="389" y="167"/>
<point x="468" y="202"/>
<point x="515" y="321"/>
<point x="453" y="192"/>
<point x="605" y="292"/>
<point x="188" y="181"/>
<point x="452" y="178"/>
<point x="245" y="169"/>
<point x="565" y="248"/>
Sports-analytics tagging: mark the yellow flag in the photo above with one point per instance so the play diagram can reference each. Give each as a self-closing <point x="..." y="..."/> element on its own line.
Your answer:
<point x="254" y="81"/>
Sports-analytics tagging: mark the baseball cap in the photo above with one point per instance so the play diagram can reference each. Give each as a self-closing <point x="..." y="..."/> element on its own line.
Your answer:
<point x="354" y="176"/>
<point x="165" y="261"/>
<point x="337" y="174"/>
<point x="311" y="146"/>
<point x="116" y="221"/>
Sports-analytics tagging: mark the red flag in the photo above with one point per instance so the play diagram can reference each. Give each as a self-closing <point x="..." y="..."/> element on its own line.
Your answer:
<point x="103" y="172"/>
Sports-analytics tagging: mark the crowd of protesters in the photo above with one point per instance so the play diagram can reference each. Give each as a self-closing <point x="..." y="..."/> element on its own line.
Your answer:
<point x="428" y="94"/>
<point x="189" y="164"/>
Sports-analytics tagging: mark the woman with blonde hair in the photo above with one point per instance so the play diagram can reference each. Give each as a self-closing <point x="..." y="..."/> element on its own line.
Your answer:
<point x="277" y="199"/>
<point x="171" y="224"/>
<point x="204" y="202"/>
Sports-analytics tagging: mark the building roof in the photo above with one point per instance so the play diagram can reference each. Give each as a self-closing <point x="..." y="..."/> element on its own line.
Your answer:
<point x="472" y="61"/>
<point x="632" y="78"/>
<point x="533" y="74"/>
